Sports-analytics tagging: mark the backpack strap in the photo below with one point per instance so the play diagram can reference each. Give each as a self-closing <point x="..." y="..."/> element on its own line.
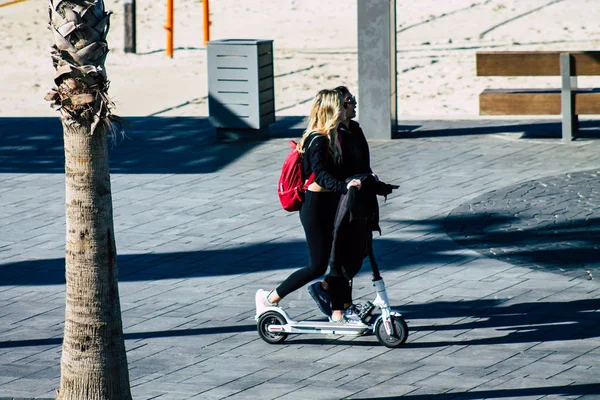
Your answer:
<point x="314" y="135"/>
<point x="311" y="178"/>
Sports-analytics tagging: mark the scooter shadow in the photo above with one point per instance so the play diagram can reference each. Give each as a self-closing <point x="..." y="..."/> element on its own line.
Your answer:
<point x="334" y="341"/>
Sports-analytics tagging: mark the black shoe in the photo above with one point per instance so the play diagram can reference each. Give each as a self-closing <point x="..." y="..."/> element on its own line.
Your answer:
<point x="321" y="297"/>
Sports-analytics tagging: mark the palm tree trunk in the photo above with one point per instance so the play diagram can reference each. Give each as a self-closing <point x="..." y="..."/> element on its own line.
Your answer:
<point x="93" y="362"/>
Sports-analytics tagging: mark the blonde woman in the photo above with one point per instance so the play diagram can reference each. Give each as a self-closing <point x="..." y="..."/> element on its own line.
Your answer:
<point x="322" y="156"/>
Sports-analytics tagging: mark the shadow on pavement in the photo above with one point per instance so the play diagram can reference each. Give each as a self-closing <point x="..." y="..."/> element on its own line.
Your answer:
<point x="528" y="129"/>
<point x="566" y="248"/>
<point x="517" y="323"/>
<point x="570" y="390"/>
<point x="221" y="262"/>
<point x="151" y="145"/>
<point x="139" y="335"/>
<point x="562" y="245"/>
<point x="188" y="145"/>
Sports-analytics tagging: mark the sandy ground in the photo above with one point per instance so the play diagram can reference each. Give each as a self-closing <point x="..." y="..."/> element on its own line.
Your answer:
<point x="314" y="47"/>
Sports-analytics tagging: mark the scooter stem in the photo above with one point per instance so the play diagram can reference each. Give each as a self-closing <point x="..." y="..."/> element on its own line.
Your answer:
<point x="382" y="299"/>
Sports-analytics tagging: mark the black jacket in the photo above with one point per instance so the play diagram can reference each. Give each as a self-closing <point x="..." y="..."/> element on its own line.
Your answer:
<point x="356" y="218"/>
<point x="355" y="150"/>
<point x="318" y="160"/>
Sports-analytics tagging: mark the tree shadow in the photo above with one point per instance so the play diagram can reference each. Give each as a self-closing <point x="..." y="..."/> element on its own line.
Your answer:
<point x="533" y="322"/>
<point x="566" y="390"/>
<point x="151" y="145"/>
<point x="523" y="322"/>
<point x="570" y="246"/>
<point x="189" y="145"/>
<point x="539" y="129"/>
<point x="558" y="321"/>
<point x="138" y="335"/>
<point x="207" y="263"/>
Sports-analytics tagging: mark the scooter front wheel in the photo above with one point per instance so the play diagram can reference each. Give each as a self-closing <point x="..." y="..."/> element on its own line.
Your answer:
<point x="267" y="319"/>
<point x="400" y="332"/>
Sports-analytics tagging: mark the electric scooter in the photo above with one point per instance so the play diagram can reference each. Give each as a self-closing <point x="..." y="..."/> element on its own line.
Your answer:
<point x="274" y="324"/>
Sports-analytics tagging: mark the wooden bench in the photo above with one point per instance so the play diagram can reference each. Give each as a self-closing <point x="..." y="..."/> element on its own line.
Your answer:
<point x="568" y="100"/>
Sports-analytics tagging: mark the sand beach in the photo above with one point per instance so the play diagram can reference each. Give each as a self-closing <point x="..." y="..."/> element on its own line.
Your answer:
<point x="315" y="46"/>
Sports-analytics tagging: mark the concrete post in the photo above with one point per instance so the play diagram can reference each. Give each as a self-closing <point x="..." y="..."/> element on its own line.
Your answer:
<point x="377" y="95"/>
<point x="130" y="27"/>
<point x="569" y="118"/>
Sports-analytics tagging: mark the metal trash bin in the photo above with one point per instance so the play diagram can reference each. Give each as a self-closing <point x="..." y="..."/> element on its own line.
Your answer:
<point x="241" y="92"/>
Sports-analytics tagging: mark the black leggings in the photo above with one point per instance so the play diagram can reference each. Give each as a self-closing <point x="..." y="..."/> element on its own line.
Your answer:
<point x="350" y="250"/>
<point x="339" y="289"/>
<point x="317" y="215"/>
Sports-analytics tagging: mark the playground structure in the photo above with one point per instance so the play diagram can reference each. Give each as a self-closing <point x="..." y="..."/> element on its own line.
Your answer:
<point x="8" y="3"/>
<point x="130" y="26"/>
<point x="376" y="59"/>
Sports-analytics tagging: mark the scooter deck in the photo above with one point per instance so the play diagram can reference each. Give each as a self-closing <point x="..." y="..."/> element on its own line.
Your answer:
<point x="333" y="328"/>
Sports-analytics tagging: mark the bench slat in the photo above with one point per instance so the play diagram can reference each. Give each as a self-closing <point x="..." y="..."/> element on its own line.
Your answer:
<point x="587" y="102"/>
<point x="535" y="63"/>
<point x="536" y="102"/>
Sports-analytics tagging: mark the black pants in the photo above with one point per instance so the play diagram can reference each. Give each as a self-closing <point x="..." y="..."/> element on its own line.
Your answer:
<point x="350" y="249"/>
<point x="317" y="215"/>
<point x="339" y="289"/>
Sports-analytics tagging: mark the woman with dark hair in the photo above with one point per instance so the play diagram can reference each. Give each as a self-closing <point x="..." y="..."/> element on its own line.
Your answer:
<point x="349" y="246"/>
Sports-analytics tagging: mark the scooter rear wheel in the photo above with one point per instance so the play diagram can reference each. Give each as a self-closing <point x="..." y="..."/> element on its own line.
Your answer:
<point x="400" y="332"/>
<point x="267" y="319"/>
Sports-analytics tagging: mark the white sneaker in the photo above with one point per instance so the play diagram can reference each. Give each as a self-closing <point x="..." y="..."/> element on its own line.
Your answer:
<point x="352" y="314"/>
<point x="345" y="320"/>
<point x="262" y="303"/>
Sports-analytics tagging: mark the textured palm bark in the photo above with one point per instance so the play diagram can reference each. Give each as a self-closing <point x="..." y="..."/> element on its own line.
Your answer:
<point x="93" y="362"/>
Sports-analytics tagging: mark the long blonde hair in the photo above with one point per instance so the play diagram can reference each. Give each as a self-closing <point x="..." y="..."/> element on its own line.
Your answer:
<point x="324" y="119"/>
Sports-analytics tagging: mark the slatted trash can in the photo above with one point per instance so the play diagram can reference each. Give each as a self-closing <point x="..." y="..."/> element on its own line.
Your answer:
<point x="241" y="97"/>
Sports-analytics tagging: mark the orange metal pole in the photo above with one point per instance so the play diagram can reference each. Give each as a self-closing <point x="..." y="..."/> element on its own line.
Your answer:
<point x="169" y="28"/>
<point x="206" y="22"/>
<point x="8" y="3"/>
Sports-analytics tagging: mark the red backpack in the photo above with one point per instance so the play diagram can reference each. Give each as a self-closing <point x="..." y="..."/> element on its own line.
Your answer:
<point x="291" y="186"/>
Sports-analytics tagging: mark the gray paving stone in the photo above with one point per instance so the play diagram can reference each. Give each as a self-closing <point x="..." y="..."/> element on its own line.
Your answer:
<point x="487" y="318"/>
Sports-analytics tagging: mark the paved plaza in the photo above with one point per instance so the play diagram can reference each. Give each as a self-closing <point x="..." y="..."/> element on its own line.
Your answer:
<point x="491" y="249"/>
